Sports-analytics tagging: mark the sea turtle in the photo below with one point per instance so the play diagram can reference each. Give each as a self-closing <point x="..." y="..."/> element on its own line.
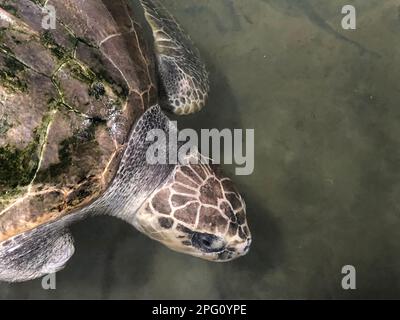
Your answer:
<point x="77" y="103"/>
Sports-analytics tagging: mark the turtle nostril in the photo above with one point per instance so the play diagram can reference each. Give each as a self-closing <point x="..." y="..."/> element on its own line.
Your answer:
<point x="247" y="247"/>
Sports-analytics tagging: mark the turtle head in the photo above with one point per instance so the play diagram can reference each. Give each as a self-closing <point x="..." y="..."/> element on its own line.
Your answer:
<point x="198" y="212"/>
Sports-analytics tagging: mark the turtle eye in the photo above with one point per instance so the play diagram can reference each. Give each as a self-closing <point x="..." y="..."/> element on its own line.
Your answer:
<point x="207" y="242"/>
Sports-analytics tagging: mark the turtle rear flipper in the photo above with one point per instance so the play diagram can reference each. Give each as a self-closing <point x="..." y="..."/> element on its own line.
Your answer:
<point x="34" y="254"/>
<point x="183" y="75"/>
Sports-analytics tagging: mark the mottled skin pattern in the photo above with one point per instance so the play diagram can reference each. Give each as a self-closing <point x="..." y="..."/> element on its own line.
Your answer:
<point x="183" y="75"/>
<point x="77" y="104"/>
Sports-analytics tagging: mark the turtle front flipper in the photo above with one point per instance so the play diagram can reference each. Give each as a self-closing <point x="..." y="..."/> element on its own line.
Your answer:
<point x="35" y="253"/>
<point x="183" y="75"/>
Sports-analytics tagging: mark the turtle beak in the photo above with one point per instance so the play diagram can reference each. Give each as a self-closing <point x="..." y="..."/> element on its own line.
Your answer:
<point x="236" y="250"/>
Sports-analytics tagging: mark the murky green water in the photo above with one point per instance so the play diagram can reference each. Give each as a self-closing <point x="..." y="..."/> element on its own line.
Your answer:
<point x="325" y="192"/>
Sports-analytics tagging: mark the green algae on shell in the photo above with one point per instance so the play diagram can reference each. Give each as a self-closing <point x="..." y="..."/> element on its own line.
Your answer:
<point x="71" y="97"/>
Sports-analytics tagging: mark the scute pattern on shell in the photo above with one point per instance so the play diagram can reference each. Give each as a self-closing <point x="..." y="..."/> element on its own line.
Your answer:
<point x="69" y="98"/>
